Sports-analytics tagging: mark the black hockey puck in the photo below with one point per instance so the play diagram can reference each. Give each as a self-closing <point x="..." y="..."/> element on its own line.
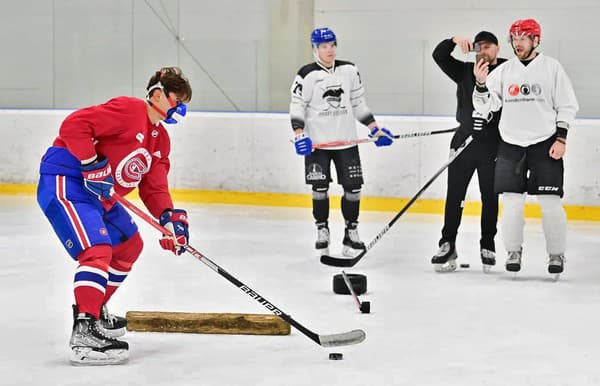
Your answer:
<point x="365" y="307"/>
<point x="464" y="265"/>
<point x="336" y="356"/>
<point x="358" y="282"/>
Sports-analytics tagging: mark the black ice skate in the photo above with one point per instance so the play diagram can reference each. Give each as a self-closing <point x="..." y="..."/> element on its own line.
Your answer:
<point x="112" y="325"/>
<point x="488" y="259"/>
<point x="322" y="243"/>
<point x="352" y="246"/>
<point x="89" y="346"/>
<point x="445" y="258"/>
<point x="513" y="262"/>
<point x="556" y="265"/>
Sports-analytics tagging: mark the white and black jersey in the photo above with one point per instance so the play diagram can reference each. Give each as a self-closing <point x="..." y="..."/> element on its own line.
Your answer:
<point x="326" y="102"/>
<point x="533" y="98"/>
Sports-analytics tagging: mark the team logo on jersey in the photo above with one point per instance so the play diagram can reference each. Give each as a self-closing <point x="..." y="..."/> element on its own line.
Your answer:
<point x="103" y="231"/>
<point x="69" y="244"/>
<point x="315" y="173"/>
<point x="154" y="133"/>
<point x="131" y="169"/>
<point x="525" y="89"/>
<point x="333" y="96"/>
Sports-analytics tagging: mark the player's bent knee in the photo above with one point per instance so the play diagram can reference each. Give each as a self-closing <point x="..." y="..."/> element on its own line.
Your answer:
<point x="352" y="193"/>
<point x="320" y="192"/>
<point x="126" y="253"/>
<point x="97" y="256"/>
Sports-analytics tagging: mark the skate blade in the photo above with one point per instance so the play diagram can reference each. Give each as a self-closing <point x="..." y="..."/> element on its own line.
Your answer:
<point x="487" y="268"/>
<point x="555" y="276"/>
<point x="450" y="266"/>
<point x="86" y="356"/>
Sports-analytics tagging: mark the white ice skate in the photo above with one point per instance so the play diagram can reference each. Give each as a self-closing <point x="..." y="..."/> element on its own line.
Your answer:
<point x="445" y="258"/>
<point x="513" y="262"/>
<point x="90" y="347"/>
<point x="322" y="243"/>
<point x="112" y="325"/>
<point x="352" y="246"/>
<point x="488" y="260"/>
<point x="556" y="265"/>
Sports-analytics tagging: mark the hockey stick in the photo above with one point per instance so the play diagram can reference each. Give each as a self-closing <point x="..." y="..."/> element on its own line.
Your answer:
<point x="341" y="339"/>
<point x="364" y="307"/>
<point x="397" y="136"/>
<point x="340" y="262"/>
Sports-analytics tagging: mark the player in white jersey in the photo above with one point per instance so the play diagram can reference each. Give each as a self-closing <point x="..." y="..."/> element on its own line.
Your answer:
<point x="538" y="107"/>
<point x="327" y="97"/>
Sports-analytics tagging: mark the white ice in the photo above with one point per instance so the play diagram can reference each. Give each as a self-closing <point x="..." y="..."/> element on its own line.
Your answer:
<point x="462" y="328"/>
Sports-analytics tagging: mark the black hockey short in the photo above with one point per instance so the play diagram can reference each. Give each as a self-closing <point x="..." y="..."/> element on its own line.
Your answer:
<point x="317" y="167"/>
<point x="528" y="169"/>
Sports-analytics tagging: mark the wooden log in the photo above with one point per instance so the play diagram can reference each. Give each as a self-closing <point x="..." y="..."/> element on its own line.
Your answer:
<point x="206" y="323"/>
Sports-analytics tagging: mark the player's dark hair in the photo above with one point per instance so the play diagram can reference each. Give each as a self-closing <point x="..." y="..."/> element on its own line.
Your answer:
<point x="172" y="80"/>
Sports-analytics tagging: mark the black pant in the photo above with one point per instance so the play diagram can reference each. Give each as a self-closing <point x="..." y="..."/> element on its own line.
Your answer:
<point x="478" y="156"/>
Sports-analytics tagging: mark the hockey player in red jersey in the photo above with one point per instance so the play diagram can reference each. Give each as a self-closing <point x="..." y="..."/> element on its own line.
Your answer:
<point x="116" y="146"/>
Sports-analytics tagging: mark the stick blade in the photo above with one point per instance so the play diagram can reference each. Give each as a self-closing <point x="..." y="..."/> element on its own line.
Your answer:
<point x="338" y="262"/>
<point x="343" y="339"/>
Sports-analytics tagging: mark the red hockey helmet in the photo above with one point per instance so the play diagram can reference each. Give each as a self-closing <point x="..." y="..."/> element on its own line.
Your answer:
<point x="526" y="27"/>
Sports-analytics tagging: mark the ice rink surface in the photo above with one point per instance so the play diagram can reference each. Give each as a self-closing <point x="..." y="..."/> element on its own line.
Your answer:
<point x="425" y="328"/>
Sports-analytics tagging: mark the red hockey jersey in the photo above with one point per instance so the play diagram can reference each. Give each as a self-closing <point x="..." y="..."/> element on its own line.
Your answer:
<point x="137" y="150"/>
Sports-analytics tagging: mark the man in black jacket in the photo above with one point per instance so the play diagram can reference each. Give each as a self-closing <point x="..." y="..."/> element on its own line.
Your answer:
<point x="480" y="155"/>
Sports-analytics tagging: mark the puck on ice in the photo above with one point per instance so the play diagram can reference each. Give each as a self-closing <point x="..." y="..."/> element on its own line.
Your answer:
<point x="464" y="265"/>
<point x="336" y="356"/>
<point x="365" y="307"/>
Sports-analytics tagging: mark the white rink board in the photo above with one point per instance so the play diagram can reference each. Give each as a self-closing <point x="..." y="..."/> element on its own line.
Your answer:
<point x="252" y="152"/>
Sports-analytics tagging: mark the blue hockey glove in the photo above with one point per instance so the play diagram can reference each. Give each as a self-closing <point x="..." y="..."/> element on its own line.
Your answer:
<point x="98" y="179"/>
<point x="175" y="220"/>
<point x="383" y="135"/>
<point x="303" y="144"/>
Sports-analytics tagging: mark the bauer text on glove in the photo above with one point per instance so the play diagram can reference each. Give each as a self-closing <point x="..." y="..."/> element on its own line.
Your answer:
<point x="98" y="179"/>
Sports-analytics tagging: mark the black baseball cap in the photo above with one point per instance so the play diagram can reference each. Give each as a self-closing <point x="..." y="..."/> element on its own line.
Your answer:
<point x="485" y="36"/>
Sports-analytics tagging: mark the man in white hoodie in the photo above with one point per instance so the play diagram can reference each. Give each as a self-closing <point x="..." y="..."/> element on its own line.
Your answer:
<point x="538" y="107"/>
